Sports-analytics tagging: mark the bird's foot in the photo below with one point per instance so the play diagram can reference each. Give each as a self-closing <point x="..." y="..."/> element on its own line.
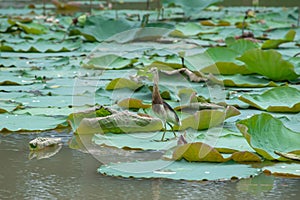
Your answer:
<point x="164" y="140"/>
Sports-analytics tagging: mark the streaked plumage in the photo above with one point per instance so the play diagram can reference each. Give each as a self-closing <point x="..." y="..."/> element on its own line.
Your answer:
<point x="161" y="109"/>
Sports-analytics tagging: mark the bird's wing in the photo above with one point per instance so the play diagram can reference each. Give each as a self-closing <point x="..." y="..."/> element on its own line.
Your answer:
<point x="171" y="114"/>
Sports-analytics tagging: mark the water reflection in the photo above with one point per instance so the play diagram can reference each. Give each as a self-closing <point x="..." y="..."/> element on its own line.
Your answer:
<point x="71" y="174"/>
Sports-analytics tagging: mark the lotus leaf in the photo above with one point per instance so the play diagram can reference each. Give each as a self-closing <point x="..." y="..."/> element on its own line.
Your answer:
<point x="133" y="103"/>
<point x="179" y="170"/>
<point x="201" y="152"/>
<point x="283" y="169"/>
<point x="120" y="122"/>
<point x="8" y="105"/>
<point x="266" y="134"/>
<point x="225" y="62"/>
<point x="239" y="80"/>
<point x="205" y="119"/>
<point x="279" y="99"/>
<point x="268" y="63"/>
<point x="109" y="61"/>
<point x="41" y="46"/>
<point x="120" y="83"/>
<point x="274" y="43"/>
<point x="192" y="7"/>
<point x="141" y="141"/>
<point x="99" y="28"/>
<point x="38" y="123"/>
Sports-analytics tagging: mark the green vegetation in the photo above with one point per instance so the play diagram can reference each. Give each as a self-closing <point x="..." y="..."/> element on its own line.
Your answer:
<point x="233" y="82"/>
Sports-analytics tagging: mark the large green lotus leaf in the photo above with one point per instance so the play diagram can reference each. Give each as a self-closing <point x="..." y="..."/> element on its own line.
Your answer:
<point x="283" y="169"/>
<point x="109" y="61"/>
<point x="27" y="122"/>
<point x="205" y="119"/>
<point x="141" y="141"/>
<point x="266" y="134"/>
<point x="278" y="99"/>
<point x="33" y="28"/>
<point x="239" y="80"/>
<point x="179" y="170"/>
<point x="268" y="63"/>
<point x="41" y="46"/>
<point x="224" y="62"/>
<point x="190" y="29"/>
<point x="274" y="43"/>
<point x="241" y="46"/>
<point x="192" y="7"/>
<point x="224" y="140"/>
<point x="120" y="83"/>
<point x="99" y="28"/>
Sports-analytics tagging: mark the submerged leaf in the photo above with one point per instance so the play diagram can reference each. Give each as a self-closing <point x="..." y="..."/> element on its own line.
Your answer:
<point x="266" y="134"/>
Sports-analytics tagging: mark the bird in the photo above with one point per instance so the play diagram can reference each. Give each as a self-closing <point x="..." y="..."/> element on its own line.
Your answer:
<point x="162" y="109"/>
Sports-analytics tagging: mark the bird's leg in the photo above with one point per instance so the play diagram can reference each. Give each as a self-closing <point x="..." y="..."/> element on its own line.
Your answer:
<point x="163" y="137"/>
<point x="172" y="129"/>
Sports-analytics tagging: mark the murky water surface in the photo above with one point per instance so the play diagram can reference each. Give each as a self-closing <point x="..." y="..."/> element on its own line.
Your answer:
<point x="71" y="174"/>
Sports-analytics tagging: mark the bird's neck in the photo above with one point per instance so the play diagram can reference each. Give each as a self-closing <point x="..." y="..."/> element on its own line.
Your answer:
<point x="156" y="98"/>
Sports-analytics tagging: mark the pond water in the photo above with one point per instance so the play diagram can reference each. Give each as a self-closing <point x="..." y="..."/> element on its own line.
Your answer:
<point x="71" y="174"/>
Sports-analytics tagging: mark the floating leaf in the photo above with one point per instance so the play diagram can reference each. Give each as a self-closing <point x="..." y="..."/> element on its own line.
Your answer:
<point x="192" y="7"/>
<point x="141" y="141"/>
<point x="120" y="83"/>
<point x="179" y="170"/>
<point x="266" y="134"/>
<point x="99" y="28"/>
<point x="242" y="81"/>
<point x="201" y="152"/>
<point x="30" y="28"/>
<point x="120" y="122"/>
<point x="279" y="99"/>
<point x="268" y="63"/>
<point x="225" y="62"/>
<point x="283" y="169"/>
<point x="205" y="119"/>
<point x="241" y="46"/>
<point x="198" y="152"/>
<point x="274" y="43"/>
<point x="109" y="61"/>
<point x="38" y="123"/>
<point x="41" y="46"/>
<point x="133" y="103"/>
<point x="224" y="140"/>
